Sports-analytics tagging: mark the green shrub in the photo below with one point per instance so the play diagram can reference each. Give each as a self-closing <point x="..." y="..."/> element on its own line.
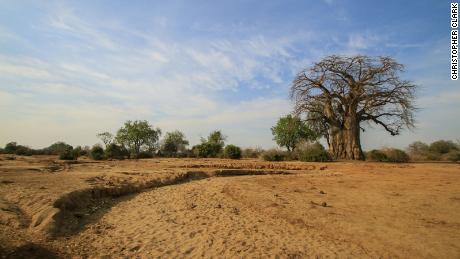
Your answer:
<point x="81" y="151"/>
<point x="432" y="157"/>
<point x="97" y="152"/>
<point x="145" y="154"/>
<point x="232" y="152"/>
<point x="69" y="154"/>
<point x="252" y="152"/>
<point x="14" y="148"/>
<point x="57" y="148"/>
<point x="396" y="155"/>
<point x="174" y="144"/>
<point x="207" y="149"/>
<point x="442" y="147"/>
<point x="419" y="151"/>
<point x="187" y="153"/>
<point x="114" y="151"/>
<point x="274" y="155"/>
<point x="24" y="151"/>
<point x="10" y="148"/>
<point x="376" y="155"/>
<point x="453" y="156"/>
<point x="313" y="153"/>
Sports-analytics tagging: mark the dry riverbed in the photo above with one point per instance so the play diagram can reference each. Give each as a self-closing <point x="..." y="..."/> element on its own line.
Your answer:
<point x="225" y="208"/>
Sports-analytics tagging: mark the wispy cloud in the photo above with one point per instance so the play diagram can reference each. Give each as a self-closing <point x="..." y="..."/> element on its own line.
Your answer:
<point x="360" y="41"/>
<point x="174" y="84"/>
<point x="76" y="71"/>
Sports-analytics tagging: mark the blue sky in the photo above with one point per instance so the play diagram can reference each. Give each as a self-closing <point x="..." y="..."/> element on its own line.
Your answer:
<point x="71" y="69"/>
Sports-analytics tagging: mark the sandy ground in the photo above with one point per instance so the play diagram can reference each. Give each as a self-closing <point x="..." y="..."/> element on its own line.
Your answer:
<point x="176" y="208"/>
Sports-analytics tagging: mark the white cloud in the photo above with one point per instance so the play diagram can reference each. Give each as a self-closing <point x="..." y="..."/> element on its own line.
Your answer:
<point x="361" y="41"/>
<point x="95" y="78"/>
<point x="357" y="41"/>
<point x="66" y="21"/>
<point x="175" y="85"/>
<point x="440" y="98"/>
<point x="24" y="67"/>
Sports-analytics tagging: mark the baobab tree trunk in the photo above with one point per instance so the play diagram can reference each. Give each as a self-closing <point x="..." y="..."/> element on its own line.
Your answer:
<point x="345" y="140"/>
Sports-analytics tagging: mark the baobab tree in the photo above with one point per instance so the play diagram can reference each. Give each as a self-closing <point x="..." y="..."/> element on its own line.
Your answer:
<point x="339" y="94"/>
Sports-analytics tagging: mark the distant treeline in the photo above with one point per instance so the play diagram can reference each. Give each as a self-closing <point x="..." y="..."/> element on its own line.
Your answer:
<point x="441" y="150"/>
<point x="138" y="139"/>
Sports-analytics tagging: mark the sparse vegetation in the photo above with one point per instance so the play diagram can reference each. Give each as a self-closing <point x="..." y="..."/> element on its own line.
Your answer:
<point x="452" y="156"/>
<point x="14" y="148"/>
<point x="145" y="154"/>
<point x="114" y="151"/>
<point x="393" y="155"/>
<point x="106" y="137"/>
<point x="69" y="154"/>
<point x="143" y="138"/>
<point x="274" y="155"/>
<point x="376" y="156"/>
<point x="252" y="152"/>
<point x="313" y="152"/>
<point x="441" y="150"/>
<point x="420" y="151"/>
<point x="442" y="147"/>
<point x="396" y="155"/>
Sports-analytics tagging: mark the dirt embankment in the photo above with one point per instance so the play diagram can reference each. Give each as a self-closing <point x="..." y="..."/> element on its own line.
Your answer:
<point x="58" y="198"/>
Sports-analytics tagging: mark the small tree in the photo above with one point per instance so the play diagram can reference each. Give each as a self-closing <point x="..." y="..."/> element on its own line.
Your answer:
<point x="232" y="152"/>
<point x="442" y="147"/>
<point x="138" y="136"/>
<point x="206" y="149"/>
<point x="106" y="137"/>
<point x="11" y="147"/>
<point x="210" y="147"/>
<point x="420" y="151"/>
<point x="289" y="131"/>
<point x="174" y="143"/>
<point x="216" y="137"/>
<point x="313" y="152"/>
<point x="115" y="151"/>
<point x="97" y="152"/>
<point x="69" y="154"/>
<point x="58" y="148"/>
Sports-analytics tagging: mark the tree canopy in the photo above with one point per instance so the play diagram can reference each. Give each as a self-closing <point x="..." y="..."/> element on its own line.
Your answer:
<point x="173" y="143"/>
<point x="106" y="137"/>
<point x="340" y="93"/>
<point x="210" y="146"/>
<point x="289" y="131"/>
<point x="138" y="136"/>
